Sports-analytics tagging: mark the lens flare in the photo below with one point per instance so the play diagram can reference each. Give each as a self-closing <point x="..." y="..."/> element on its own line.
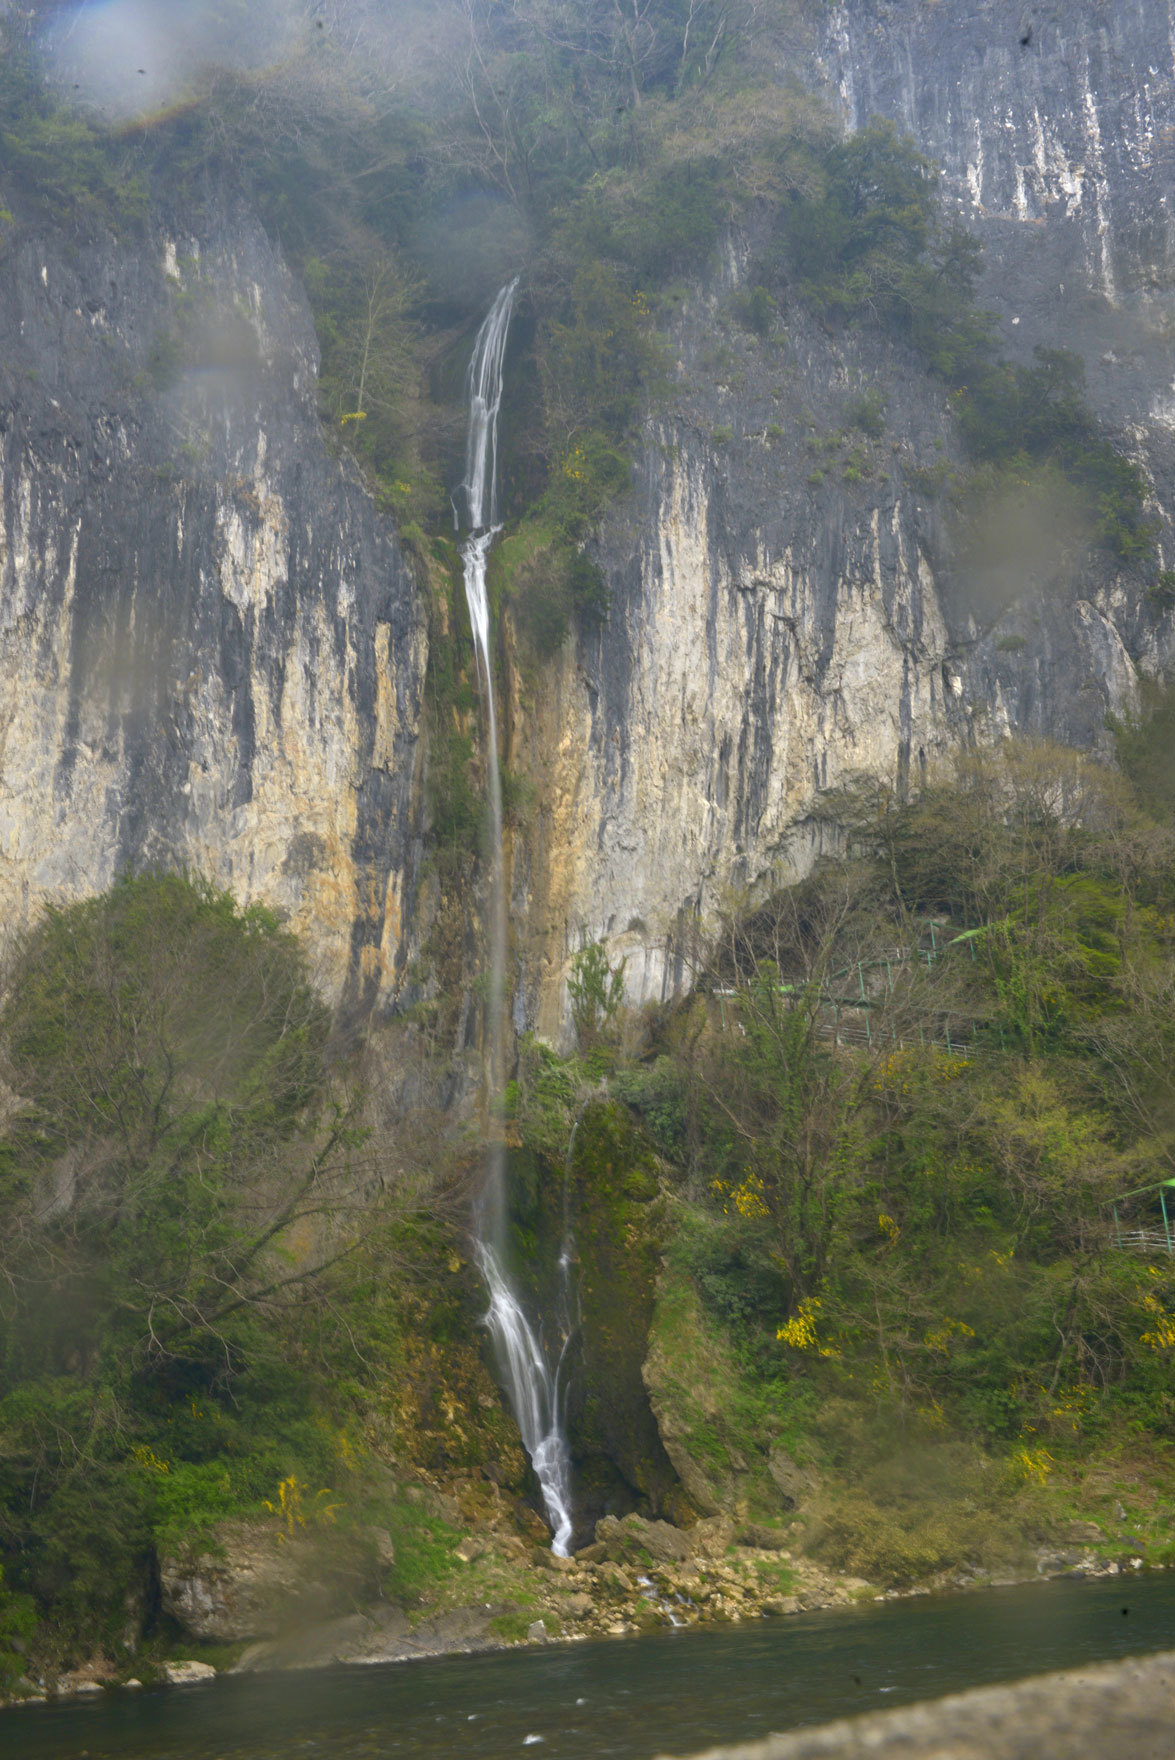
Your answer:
<point x="137" y="61"/>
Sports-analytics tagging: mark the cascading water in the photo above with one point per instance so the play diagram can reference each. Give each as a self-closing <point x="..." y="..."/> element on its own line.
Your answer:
<point x="531" y="1386"/>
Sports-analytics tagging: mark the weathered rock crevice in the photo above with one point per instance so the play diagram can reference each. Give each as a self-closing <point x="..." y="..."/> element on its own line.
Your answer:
<point x="782" y="624"/>
<point x="214" y="652"/>
<point x="212" y="649"/>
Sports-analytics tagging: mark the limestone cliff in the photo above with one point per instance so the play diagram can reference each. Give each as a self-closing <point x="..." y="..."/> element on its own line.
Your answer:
<point x="211" y="650"/>
<point x="786" y="615"/>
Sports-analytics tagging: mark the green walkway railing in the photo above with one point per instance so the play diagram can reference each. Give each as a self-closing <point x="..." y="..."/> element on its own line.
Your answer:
<point x="834" y="998"/>
<point x="1141" y="1239"/>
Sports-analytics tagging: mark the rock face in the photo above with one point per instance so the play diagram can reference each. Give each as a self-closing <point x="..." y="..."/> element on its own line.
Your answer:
<point x="1117" y="1707"/>
<point x="785" y="618"/>
<point x="211" y="650"/>
<point x="634" y="1536"/>
<point x="187" y="1674"/>
<point x="256" y="1583"/>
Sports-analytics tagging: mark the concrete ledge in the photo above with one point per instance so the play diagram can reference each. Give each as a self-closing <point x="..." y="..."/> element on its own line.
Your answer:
<point x="1109" y="1711"/>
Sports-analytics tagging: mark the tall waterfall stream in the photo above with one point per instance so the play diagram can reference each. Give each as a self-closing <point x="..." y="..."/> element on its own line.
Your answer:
<point x="532" y="1386"/>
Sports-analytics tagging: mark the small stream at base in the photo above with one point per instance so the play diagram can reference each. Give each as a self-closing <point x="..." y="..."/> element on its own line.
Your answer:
<point x="625" y="1699"/>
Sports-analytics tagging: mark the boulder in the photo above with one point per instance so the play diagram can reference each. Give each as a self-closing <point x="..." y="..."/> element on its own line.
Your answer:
<point x="383" y="1546"/>
<point x="762" y="1539"/>
<point x="793" y="1482"/>
<point x="712" y="1535"/>
<point x="253" y="1581"/>
<point x="675" y="1440"/>
<point x="633" y="1534"/>
<point x="551" y="1561"/>
<point x="186" y="1674"/>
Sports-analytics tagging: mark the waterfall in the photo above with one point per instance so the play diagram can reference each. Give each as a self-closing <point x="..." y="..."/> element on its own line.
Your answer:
<point x="532" y="1387"/>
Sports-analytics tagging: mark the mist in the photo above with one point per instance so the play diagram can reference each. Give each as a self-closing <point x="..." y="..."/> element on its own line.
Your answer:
<point x="128" y="60"/>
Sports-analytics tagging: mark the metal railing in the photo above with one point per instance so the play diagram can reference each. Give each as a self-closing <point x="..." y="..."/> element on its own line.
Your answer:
<point x="1150" y="1241"/>
<point x="1140" y="1238"/>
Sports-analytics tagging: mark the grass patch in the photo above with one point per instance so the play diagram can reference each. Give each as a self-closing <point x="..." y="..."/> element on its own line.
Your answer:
<point x="425" y="1556"/>
<point x="780" y="1579"/>
<point x="512" y="1626"/>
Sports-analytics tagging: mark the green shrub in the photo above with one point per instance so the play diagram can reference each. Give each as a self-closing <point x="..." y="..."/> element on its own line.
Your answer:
<point x="18" y="1618"/>
<point x="1162" y="591"/>
<point x="59" y="161"/>
<point x="1146" y="750"/>
<point x="168" y="1050"/>
<point x="596" y="989"/>
<point x="657" y="1093"/>
<point x="588" y="584"/>
<point x="756" y="308"/>
<point x="867" y="412"/>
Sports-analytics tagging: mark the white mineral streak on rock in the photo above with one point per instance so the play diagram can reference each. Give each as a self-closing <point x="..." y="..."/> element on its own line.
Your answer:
<point x="1108" y="652"/>
<point x="306" y="768"/>
<point x="1096" y="159"/>
<point x="665" y="818"/>
<point x="211" y="653"/>
<point x="254" y="541"/>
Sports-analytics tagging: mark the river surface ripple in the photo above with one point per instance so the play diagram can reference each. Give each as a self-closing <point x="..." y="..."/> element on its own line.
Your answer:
<point x="673" y="1692"/>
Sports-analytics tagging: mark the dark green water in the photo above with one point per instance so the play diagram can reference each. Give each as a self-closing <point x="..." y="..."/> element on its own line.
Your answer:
<point x="630" y="1698"/>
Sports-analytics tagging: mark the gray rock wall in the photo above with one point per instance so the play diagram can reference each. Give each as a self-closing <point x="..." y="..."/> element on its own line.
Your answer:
<point x="211" y="650"/>
<point x="788" y="615"/>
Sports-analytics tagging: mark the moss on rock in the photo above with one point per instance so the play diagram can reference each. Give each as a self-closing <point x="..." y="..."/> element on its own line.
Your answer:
<point x="619" y="1223"/>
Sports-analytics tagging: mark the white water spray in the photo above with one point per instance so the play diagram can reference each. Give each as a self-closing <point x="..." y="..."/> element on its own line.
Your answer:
<point x="531" y="1386"/>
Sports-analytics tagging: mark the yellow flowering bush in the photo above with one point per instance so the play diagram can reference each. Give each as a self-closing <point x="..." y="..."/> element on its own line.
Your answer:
<point x="1161" y="1336"/>
<point x="297" y="1510"/>
<point x="939" y="1339"/>
<point x="1032" y="1466"/>
<point x="800" y="1330"/>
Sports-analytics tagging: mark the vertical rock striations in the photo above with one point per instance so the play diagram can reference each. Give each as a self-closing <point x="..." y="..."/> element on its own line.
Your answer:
<point x="211" y="650"/>
<point x="789" y="610"/>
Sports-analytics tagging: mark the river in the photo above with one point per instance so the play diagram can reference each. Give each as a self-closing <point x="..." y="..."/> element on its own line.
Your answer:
<point x="630" y="1698"/>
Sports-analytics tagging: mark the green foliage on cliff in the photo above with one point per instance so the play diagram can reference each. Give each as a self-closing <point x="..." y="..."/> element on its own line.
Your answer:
<point x="1146" y="751"/>
<point x="1016" y="417"/>
<point x="939" y="1065"/>
<point x="596" y="990"/>
<point x="179" y="1167"/>
<point x="866" y="234"/>
<point x="864" y="237"/>
<point x="57" y="160"/>
<point x="894" y="1117"/>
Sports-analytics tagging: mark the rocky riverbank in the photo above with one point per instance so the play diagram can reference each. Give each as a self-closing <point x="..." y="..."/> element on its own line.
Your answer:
<point x="1113" y="1708"/>
<point x="636" y="1577"/>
